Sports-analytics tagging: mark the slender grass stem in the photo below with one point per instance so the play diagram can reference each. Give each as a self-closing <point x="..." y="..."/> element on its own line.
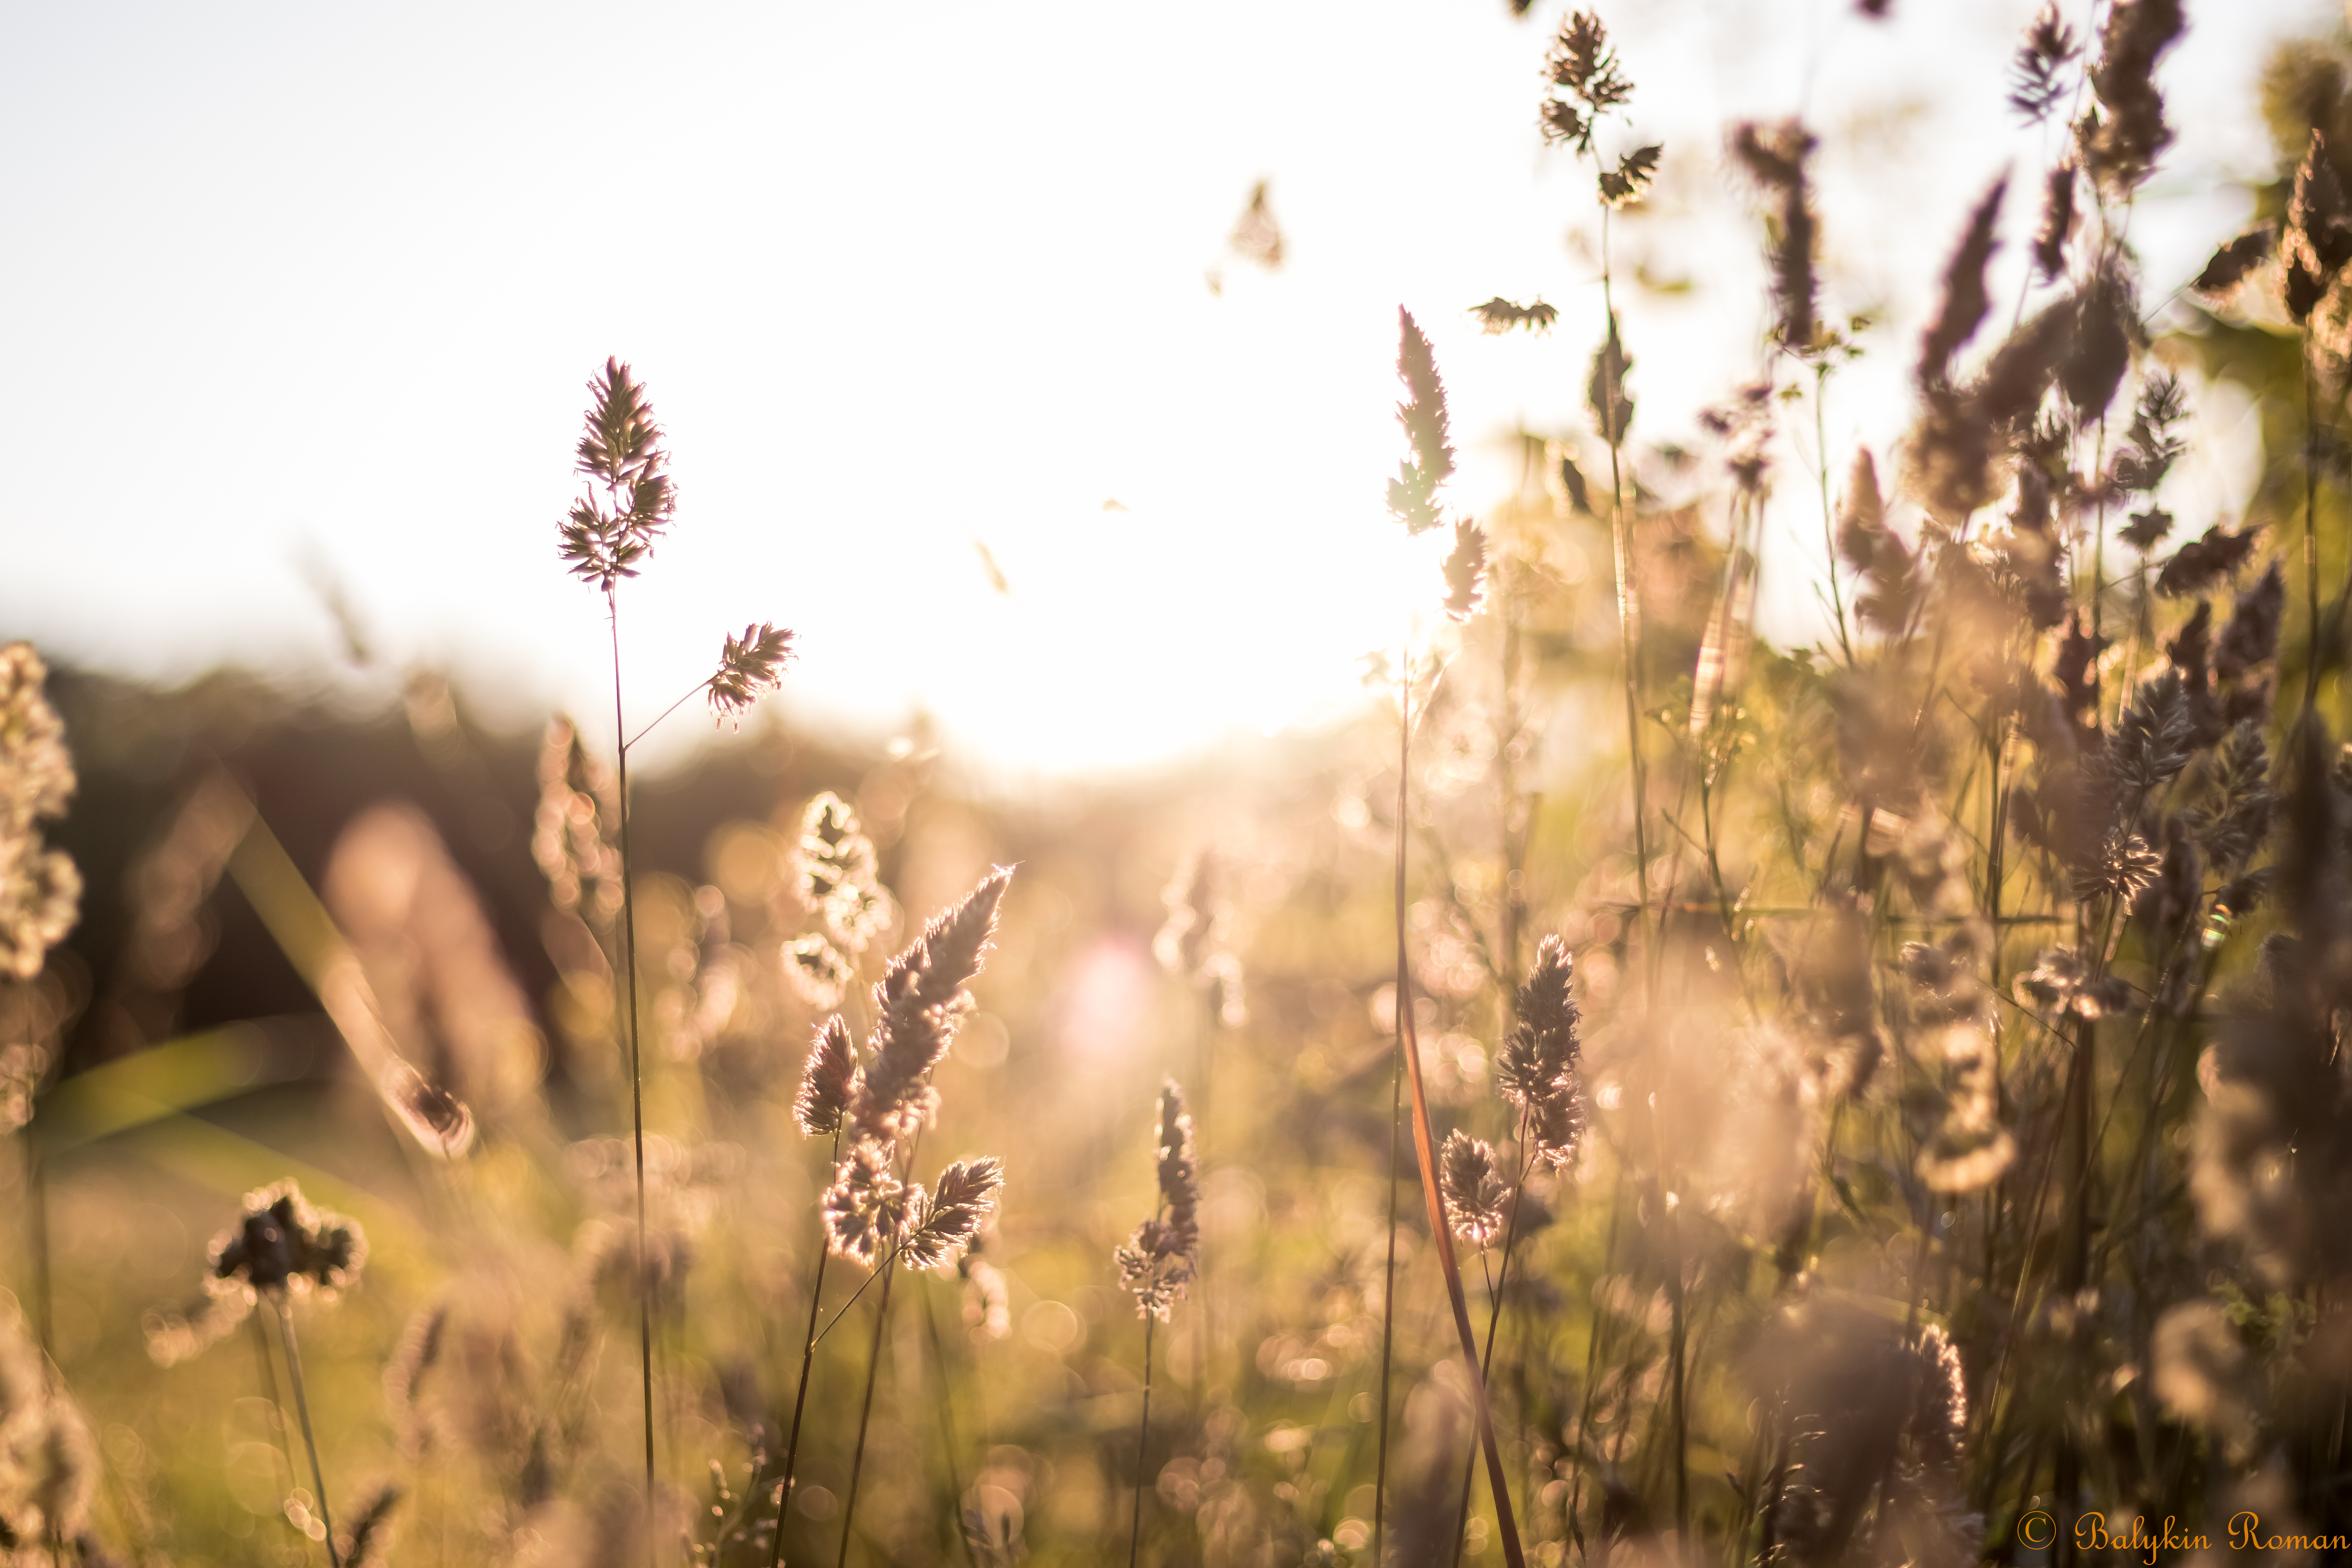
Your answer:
<point x="947" y="1423"/>
<point x="302" y="1409"/>
<point x="1388" y="1311"/>
<point x="628" y="957"/>
<point x="1142" y="1442"/>
<point x="1495" y="1284"/>
<point x="865" y="1419"/>
<point x="697" y="689"/>
<point x="1828" y="519"/>
<point x="800" y="1398"/>
<point x="1425" y="1152"/>
<point x="270" y="1383"/>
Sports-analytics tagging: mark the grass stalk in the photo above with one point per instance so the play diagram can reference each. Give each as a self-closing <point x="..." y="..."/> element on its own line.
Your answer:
<point x="864" y="1415"/>
<point x="302" y="1409"/>
<point x="1142" y="1442"/>
<point x="628" y="962"/>
<point x="800" y="1397"/>
<point x="1388" y="1309"/>
<point x="1494" y="1287"/>
<point x="947" y="1423"/>
<point x="1425" y="1148"/>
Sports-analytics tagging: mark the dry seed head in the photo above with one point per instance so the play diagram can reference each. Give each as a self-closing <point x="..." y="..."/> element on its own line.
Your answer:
<point x="830" y="1081"/>
<point x="1466" y="571"/>
<point x="1158" y="1261"/>
<point x="1962" y="309"/>
<point x="1474" y="1190"/>
<point x="40" y="890"/>
<point x="917" y="1004"/>
<point x="2150" y="745"/>
<point x="865" y="1208"/>
<point x="837" y="874"/>
<point x="283" y="1243"/>
<point x="441" y="1123"/>
<point x="1623" y="185"/>
<point x="40" y="898"/>
<point x="1581" y="61"/>
<point x="604" y="539"/>
<point x="2106" y="323"/>
<point x="1500" y="315"/>
<point x="2202" y="563"/>
<point x="944" y="1221"/>
<point x="2035" y="86"/>
<point x="2057" y="221"/>
<point x="2229" y="265"/>
<point x="817" y="970"/>
<point x="2121" y="148"/>
<point x="1604" y="389"/>
<point x="1413" y="494"/>
<point x="750" y="667"/>
<point x="574" y="852"/>
<point x="36" y="772"/>
<point x="2251" y="639"/>
<point x="1775" y="157"/>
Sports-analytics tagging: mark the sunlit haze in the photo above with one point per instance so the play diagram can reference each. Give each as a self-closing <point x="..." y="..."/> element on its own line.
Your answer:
<point x="961" y="378"/>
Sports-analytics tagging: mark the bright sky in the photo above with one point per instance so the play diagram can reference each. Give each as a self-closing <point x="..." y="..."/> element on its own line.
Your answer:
<point x="295" y="283"/>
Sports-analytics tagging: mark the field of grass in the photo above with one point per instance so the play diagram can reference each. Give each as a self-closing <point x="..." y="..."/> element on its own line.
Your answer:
<point x="1635" y="1091"/>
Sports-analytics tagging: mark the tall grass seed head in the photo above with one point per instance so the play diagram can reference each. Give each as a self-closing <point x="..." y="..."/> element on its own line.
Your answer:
<point x="2036" y="85"/>
<point x="604" y="539"/>
<point x="942" y="1222"/>
<point x="750" y="667"/>
<point x="917" y="1004"/>
<point x="569" y="839"/>
<point x="1158" y="1262"/>
<point x="829" y="1083"/>
<point x="283" y="1244"/>
<point x="865" y="1208"/>
<point x="1775" y="157"/>
<point x="1413" y="494"/>
<point x="1466" y="571"/>
<point x="839" y="878"/>
<point x="40" y="888"/>
<point x="2121" y="146"/>
<point x="1474" y="1190"/>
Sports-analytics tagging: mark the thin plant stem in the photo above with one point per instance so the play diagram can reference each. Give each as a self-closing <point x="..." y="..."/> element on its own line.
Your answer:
<point x="1828" y="521"/>
<point x="1388" y="1311"/>
<point x="946" y="1420"/>
<point x="1495" y="1284"/>
<point x="1425" y="1154"/>
<point x="697" y="689"/>
<point x="1142" y="1442"/>
<point x="865" y="1417"/>
<point x="800" y="1399"/>
<point x="628" y="957"/>
<point x="302" y="1409"/>
<point x="1629" y="612"/>
<point x="269" y="1382"/>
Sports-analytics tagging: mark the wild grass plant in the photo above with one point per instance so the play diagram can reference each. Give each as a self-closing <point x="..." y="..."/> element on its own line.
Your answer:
<point x="1887" y="1107"/>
